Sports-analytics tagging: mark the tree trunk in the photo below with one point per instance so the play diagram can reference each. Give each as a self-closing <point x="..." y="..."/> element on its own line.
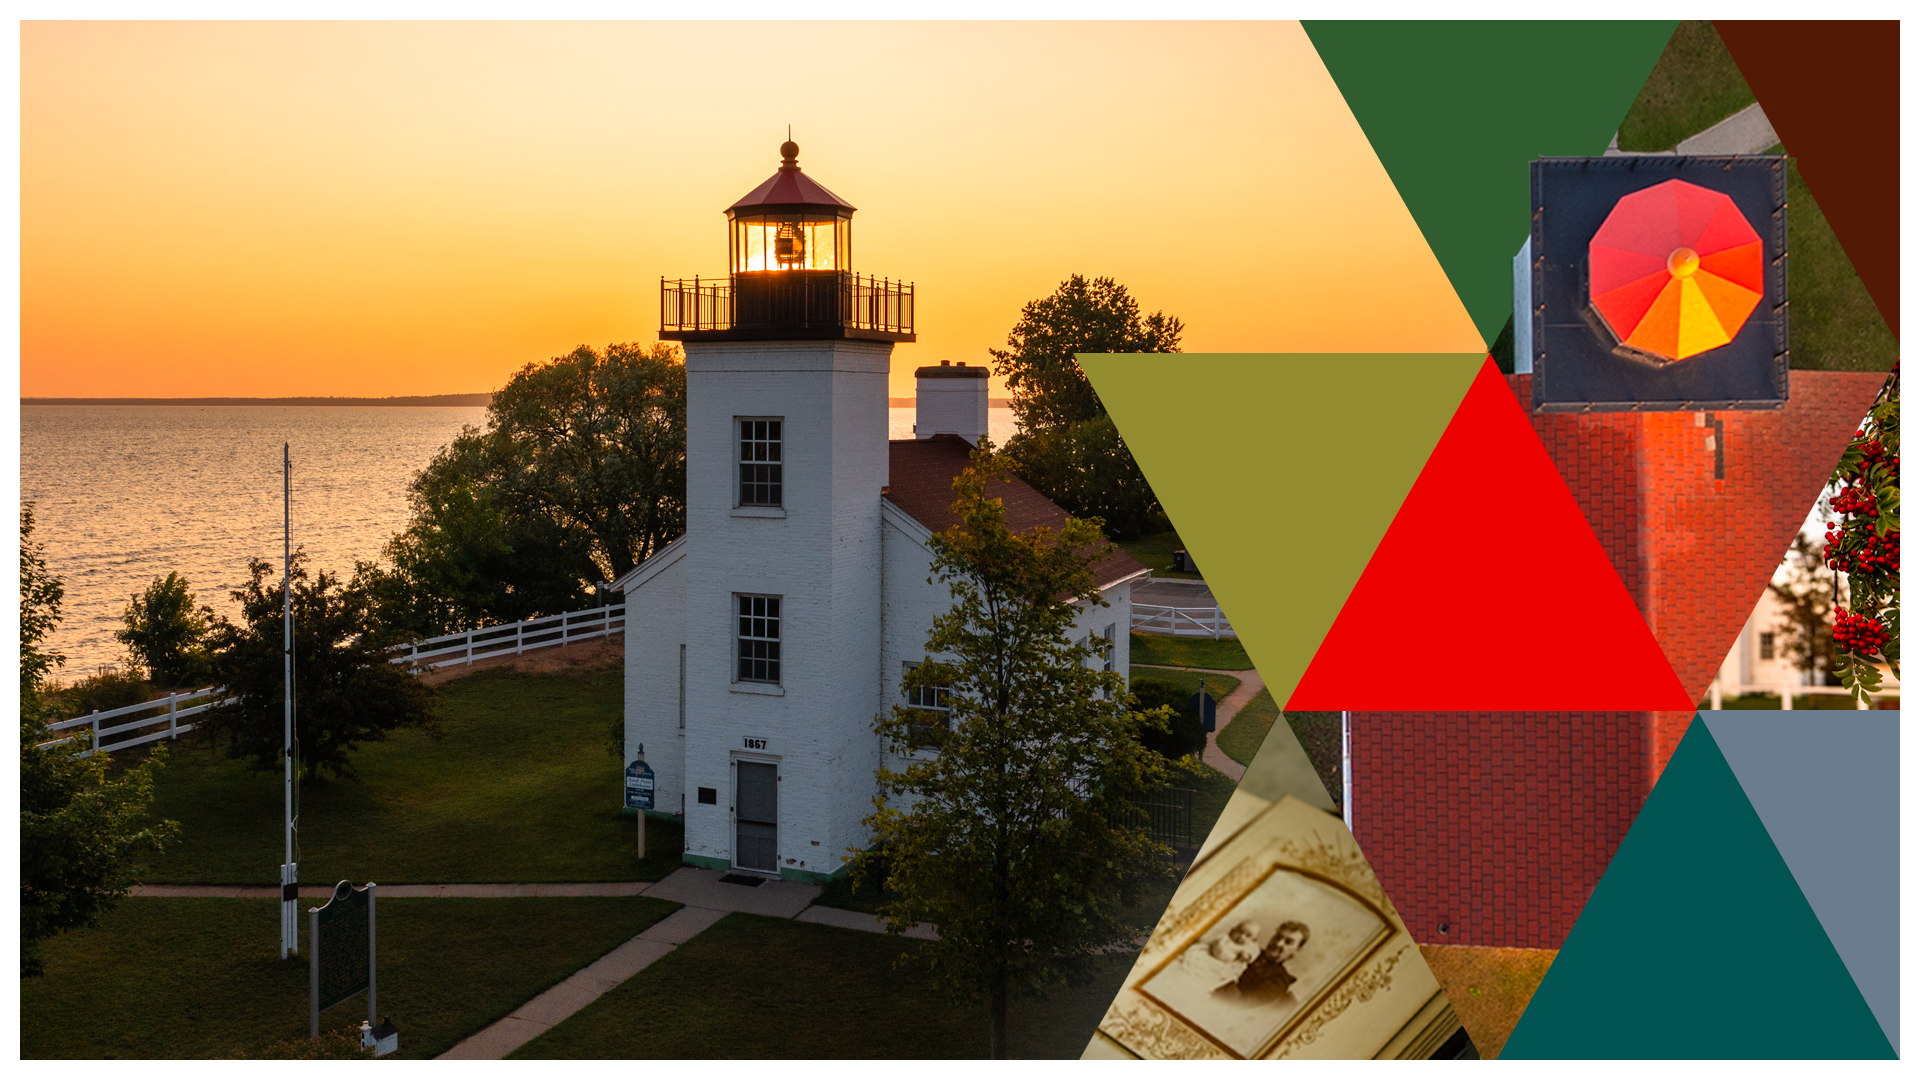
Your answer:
<point x="997" y="1021"/>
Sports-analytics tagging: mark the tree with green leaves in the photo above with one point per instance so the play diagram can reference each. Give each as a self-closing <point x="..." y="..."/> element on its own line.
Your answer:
<point x="1804" y="633"/>
<point x="166" y="633"/>
<point x="578" y="476"/>
<point x="79" y="822"/>
<point x="1009" y="827"/>
<point x="1082" y="316"/>
<point x="346" y="690"/>
<point x="1863" y="542"/>
<point x="1067" y="447"/>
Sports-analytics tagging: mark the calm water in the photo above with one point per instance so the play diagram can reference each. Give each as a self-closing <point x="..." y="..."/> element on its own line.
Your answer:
<point x="125" y="494"/>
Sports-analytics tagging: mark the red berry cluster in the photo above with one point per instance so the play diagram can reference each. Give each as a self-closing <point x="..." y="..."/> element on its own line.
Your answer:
<point x="1860" y="634"/>
<point x="1877" y="555"/>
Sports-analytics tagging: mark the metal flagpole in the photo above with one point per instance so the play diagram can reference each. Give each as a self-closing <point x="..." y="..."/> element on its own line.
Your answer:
<point x="289" y="872"/>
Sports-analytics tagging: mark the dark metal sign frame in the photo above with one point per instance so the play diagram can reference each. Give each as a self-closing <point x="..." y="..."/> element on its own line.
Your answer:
<point x="345" y="966"/>
<point x="1574" y="369"/>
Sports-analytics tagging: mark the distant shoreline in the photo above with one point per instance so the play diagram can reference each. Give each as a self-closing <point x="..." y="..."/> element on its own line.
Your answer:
<point x="428" y="400"/>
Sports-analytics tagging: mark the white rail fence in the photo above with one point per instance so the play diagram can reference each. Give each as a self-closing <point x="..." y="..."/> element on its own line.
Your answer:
<point x="506" y="639"/>
<point x="1716" y="693"/>
<point x="166" y="721"/>
<point x="1181" y="621"/>
<point x="512" y="639"/>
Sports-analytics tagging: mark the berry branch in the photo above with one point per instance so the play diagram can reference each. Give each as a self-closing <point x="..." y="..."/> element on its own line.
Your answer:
<point x="1863" y="542"/>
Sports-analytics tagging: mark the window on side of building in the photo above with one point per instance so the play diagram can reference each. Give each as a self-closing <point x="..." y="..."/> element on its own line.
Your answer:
<point x="758" y="635"/>
<point x="1106" y="647"/>
<point x="760" y="461"/>
<point x="1766" y="646"/>
<point x="933" y="700"/>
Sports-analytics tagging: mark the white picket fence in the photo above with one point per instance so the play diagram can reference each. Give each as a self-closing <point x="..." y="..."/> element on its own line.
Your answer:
<point x="512" y="639"/>
<point x="167" y="723"/>
<point x="506" y="639"/>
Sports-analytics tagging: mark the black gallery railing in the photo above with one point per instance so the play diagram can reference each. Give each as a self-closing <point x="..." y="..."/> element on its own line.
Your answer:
<point x="791" y="300"/>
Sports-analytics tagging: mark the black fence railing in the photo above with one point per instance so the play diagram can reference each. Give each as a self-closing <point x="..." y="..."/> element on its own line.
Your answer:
<point x="791" y="300"/>
<point x="1167" y="816"/>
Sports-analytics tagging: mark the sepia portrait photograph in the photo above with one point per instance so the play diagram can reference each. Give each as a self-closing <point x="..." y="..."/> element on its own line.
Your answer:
<point x="1246" y="977"/>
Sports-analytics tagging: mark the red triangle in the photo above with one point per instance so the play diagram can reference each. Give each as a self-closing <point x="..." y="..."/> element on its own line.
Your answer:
<point x="1489" y="591"/>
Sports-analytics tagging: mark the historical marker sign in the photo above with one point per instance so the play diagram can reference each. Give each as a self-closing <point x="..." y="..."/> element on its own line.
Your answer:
<point x="341" y="940"/>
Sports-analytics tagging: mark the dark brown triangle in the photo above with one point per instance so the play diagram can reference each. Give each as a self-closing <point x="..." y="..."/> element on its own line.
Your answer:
<point x="1832" y="92"/>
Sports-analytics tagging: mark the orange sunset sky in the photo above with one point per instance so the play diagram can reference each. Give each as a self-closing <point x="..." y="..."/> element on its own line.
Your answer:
<point x="262" y="209"/>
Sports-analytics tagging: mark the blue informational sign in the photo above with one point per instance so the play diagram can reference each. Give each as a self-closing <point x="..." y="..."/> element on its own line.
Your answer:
<point x="639" y="781"/>
<point x="1203" y="703"/>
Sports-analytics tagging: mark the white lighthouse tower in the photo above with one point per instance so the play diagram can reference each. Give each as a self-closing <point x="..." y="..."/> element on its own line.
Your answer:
<point x="787" y="363"/>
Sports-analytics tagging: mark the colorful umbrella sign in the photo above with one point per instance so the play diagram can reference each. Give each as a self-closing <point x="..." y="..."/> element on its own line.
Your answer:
<point x="1675" y="270"/>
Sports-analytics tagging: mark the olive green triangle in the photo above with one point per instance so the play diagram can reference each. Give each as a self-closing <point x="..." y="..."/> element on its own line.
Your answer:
<point x="1456" y="110"/>
<point x="1698" y="942"/>
<point x="1281" y="472"/>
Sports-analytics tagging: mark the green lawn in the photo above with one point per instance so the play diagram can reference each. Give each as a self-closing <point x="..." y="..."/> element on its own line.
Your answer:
<point x="1694" y="85"/>
<point x="1218" y="686"/>
<point x="1155" y="552"/>
<point x="1226" y="654"/>
<point x="198" y="978"/>
<point x="1832" y="323"/>
<point x="1319" y="735"/>
<point x="756" y="987"/>
<point x="520" y="789"/>
<point x="1241" y="739"/>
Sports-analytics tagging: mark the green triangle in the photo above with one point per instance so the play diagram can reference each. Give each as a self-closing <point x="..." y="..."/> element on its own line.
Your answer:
<point x="1456" y="110"/>
<point x="1282" y="472"/>
<point x="1697" y="943"/>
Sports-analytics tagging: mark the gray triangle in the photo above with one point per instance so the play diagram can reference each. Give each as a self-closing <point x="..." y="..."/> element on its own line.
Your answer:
<point x="1827" y="787"/>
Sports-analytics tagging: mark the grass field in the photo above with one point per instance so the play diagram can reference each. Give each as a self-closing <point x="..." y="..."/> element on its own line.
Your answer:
<point x="1218" y="686"/>
<point x="1241" y="739"/>
<point x="193" y="978"/>
<point x="1226" y="654"/>
<point x="1694" y="85"/>
<point x="756" y="987"/>
<point x="1319" y="735"/>
<point x="1155" y="552"/>
<point x="520" y="789"/>
<point x="1833" y="324"/>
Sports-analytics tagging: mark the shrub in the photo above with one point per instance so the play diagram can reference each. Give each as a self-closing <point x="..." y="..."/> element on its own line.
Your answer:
<point x="1185" y="733"/>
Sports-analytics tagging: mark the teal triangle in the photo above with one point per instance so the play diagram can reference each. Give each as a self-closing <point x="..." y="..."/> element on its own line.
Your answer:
<point x="1456" y="110"/>
<point x="1826" y="784"/>
<point x="1697" y="943"/>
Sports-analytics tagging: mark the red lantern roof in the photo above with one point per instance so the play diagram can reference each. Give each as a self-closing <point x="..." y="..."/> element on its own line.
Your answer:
<point x="789" y="189"/>
<point x="1676" y="269"/>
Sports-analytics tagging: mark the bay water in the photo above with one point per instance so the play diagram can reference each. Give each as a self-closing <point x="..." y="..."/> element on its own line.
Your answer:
<point x="126" y="493"/>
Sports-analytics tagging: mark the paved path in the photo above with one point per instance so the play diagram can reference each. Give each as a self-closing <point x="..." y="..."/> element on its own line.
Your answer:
<point x="1223" y="714"/>
<point x="1745" y="132"/>
<point x="706" y="899"/>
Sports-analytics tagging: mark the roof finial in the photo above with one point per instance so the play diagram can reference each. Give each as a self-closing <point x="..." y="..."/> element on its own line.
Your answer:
<point x="789" y="151"/>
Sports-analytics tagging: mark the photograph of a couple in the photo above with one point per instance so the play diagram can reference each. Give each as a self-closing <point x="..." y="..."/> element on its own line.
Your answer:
<point x="1250" y="973"/>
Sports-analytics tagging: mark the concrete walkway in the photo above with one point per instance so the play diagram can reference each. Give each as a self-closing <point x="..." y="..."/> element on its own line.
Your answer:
<point x="1745" y="132"/>
<point x="1223" y="714"/>
<point x="706" y="899"/>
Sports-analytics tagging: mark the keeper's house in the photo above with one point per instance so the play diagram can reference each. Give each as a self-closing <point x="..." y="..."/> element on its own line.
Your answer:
<point x="761" y="645"/>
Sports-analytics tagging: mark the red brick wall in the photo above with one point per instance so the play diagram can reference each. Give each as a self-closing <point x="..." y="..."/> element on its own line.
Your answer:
<point x="1695" y="550"/>
<point x="1495" y="825"/>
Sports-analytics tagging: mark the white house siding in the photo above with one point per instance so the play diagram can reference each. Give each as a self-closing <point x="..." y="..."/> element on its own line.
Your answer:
<point x="822" y="558"/>
<point x="656" y="630"/>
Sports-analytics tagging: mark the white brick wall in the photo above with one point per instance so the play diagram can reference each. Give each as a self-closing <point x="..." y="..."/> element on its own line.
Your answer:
<point x="822" y="558"/>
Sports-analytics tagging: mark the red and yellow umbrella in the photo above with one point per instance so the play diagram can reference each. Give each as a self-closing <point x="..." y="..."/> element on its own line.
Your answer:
<point x="1675" y="269"/>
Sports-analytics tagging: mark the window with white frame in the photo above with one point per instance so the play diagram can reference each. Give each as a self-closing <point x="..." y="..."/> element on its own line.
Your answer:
<point x="1106" y="647"/>
<point x="934" y="701"/>
<point x="760" y="461"/>
<point x="759" y="638"/>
